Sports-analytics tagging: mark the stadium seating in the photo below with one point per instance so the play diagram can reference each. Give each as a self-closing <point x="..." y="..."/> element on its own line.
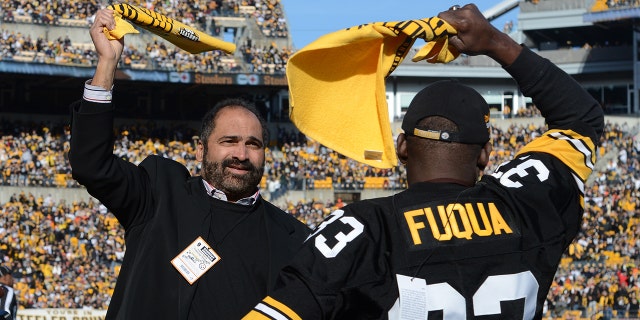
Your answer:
<point x="256" y="57"/>
<point x="83" y="273"/>
<point x="326" y="183"/>
<point x="376" y="182"/>
<point x="611" y="263"/>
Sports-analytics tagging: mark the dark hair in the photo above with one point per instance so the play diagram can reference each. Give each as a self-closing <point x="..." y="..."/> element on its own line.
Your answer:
<point x="208" y="121"/>
<point x="4" y="270"/>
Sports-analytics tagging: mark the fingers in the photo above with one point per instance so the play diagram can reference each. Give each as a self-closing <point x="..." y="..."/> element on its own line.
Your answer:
<point x="473" y="29"/>
<point x="459" y="17"/>
<point x="104" y="18"/>
<point x="106" y="48"/>
<point x="455" y="17"/>
<point x="476" y="35"/>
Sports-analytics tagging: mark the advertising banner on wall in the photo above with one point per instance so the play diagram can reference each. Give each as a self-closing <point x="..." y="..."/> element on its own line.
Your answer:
<point x="61" y="314"/>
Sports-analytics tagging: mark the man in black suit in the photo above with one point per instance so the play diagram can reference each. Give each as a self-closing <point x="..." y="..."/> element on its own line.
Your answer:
<point x="8" y="298"/>
<point x="205" y="247"/>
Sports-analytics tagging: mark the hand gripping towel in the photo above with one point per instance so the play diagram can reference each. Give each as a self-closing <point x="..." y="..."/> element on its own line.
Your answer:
<point x="337" y="84"/>
<point x="176" y="32"/>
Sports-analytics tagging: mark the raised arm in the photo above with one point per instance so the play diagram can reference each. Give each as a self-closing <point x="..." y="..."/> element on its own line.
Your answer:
<point x="561" y="100"/>
<point x="107" y="177"/>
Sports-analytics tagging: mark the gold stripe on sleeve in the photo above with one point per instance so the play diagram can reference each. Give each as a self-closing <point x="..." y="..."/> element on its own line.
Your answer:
<point x="282" y="308"/>
<point x="576" y="151"/>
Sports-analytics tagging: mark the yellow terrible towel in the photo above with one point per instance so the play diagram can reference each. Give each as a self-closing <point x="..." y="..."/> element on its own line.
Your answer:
<point x="337" y="84"/>
<point x="176" y="32"/>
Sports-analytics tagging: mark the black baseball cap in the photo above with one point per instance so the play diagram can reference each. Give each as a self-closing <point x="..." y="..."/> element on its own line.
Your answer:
<point x="4" y="270"/>
<point x="450" y="99"/>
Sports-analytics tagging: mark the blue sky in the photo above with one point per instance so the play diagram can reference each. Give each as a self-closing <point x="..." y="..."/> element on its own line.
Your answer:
<point x="309" y="20"/>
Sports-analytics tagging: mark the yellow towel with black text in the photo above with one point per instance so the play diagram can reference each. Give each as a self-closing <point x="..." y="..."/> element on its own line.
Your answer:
<point x="337" y="84"/>
<point x="176" y="32"/>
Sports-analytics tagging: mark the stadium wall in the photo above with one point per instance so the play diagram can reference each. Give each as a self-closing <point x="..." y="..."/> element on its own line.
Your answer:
<point x="69" y="194"/>
<point x="77" y="33"/>
<point x="81" y="194"/>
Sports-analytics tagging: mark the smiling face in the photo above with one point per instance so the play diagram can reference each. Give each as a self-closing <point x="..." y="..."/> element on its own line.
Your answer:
<point x="233" y="157"/>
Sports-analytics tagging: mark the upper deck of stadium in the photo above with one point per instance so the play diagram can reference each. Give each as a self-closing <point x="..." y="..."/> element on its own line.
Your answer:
<point x="593" y="40"/>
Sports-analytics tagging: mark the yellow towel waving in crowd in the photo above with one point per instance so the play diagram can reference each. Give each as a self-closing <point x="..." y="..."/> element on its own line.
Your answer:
<point x="337" y="84"/>
<point x="176" y="32"/>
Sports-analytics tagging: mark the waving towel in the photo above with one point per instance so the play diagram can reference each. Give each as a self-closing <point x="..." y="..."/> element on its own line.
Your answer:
<point x="176" y="32"/>
<point x="337" y="84"/>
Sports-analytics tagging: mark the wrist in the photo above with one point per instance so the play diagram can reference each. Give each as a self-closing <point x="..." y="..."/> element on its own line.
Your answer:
<point x="506" y="50"/>
<point x="104" y="74"/>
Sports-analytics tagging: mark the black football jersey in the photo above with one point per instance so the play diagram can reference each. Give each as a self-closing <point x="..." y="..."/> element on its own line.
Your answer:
<point x="443" y="250"/>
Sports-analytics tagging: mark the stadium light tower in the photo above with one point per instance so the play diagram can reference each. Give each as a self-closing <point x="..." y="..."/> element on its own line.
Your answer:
<point x="499" y="9"/>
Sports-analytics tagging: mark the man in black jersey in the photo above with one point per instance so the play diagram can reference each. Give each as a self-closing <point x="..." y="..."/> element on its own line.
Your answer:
<point x="453" y="245"/>
<point x="202" y="247"/>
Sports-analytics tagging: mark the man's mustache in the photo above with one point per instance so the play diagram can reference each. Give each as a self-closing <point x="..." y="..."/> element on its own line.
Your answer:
<point x="235" y="163"/>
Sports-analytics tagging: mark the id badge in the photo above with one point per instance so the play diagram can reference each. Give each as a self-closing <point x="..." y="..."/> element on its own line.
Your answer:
<point x="195" y="260"/>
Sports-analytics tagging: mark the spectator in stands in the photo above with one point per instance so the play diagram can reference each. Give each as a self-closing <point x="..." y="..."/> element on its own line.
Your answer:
<point x="197" y="247"/>
<point x="51" y="244"/>
<point x="426" y="245"/>
<point x="634" y="304"/>
<point x="8" y="297"/>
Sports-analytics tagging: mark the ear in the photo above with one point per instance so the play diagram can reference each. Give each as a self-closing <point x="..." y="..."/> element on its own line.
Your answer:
<point x="401" y="148"/>
<point x="485" y="153"/>
<point x="199" y="151"/>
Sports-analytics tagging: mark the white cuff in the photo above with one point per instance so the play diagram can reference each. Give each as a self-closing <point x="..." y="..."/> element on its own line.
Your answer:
<point x="96" y="94"/>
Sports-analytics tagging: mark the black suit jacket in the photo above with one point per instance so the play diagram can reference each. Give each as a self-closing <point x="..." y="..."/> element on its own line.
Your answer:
<point x="9" y="301"/>
<point x="163" y="210"/>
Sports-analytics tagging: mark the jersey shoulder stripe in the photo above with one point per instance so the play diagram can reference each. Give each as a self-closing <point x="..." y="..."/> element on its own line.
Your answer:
<point x="270" y="308"/>
<point x="574" y="150"/>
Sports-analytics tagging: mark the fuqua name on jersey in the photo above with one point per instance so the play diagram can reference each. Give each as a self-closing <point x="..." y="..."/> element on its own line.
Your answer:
<point x="444" y="222"/>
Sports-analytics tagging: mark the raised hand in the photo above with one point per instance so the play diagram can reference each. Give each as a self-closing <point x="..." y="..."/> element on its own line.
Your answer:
<point x="109" y="51"/>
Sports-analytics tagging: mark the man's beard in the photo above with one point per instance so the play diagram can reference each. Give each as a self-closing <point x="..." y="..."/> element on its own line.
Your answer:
<point x="233" y="185"/>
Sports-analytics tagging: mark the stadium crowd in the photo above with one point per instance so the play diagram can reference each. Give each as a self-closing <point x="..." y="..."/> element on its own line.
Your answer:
<point x="601" y="272"/>
<point x="22" y="46"/>
<point x="155" y="56"/>
<point x="65" y="254"/>
<point x="268" y="14"/>
<point x="617" y="4"/>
